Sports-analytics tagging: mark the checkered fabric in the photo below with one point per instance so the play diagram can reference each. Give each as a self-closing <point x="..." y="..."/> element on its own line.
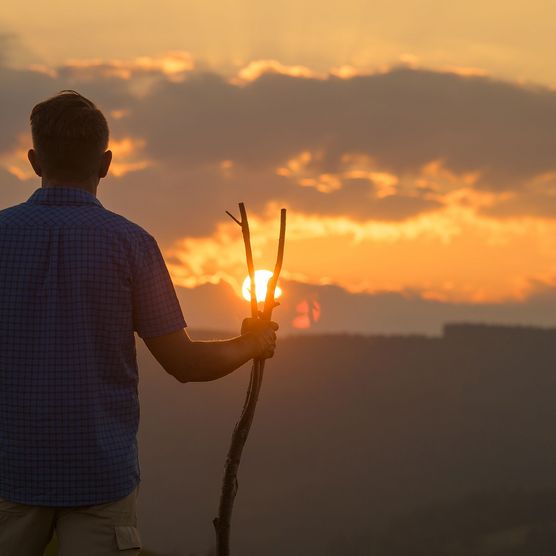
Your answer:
<point x="76" y="281"/>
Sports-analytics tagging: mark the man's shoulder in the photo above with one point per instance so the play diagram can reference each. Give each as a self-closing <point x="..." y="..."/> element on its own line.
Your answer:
<point x="111" y="222"/>
<point x="125" y="224"/>
<point x="9" y="212"/>
<point x="121" y="225"/>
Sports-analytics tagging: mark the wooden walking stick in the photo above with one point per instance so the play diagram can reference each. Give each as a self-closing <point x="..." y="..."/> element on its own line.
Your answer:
<point x="222" y="523"/>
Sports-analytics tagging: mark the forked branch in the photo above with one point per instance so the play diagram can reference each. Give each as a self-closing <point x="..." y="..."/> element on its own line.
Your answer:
<point x="222" y="523"/>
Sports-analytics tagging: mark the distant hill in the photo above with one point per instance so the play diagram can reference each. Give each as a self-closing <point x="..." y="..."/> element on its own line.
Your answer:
<point x="336" y="310"/>
<point x="394" y="446"/>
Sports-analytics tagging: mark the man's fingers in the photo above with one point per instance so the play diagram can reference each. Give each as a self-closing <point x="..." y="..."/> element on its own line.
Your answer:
<point x="270" y="336"/>
<point x="264" y="332"/>
<point x="267" y="354"/>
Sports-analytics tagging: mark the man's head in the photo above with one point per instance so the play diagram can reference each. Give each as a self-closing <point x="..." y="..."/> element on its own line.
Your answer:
<point x="70" y="137"/>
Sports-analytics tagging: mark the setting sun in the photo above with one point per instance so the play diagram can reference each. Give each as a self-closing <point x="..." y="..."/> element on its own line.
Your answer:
<point x="261" y="280"/>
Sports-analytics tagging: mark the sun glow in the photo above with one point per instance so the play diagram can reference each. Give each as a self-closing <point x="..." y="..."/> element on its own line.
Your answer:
<point x="261" y="280"/>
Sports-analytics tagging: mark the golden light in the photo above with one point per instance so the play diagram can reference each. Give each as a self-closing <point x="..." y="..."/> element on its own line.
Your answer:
<point x="261" y="280"/>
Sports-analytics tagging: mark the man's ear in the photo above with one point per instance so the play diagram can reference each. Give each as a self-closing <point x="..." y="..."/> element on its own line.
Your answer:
<point x="32" y="156"/>
<point x="105" y="164"/>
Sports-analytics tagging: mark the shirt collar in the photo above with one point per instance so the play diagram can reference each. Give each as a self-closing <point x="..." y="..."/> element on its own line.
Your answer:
<point x="58" y="195"/>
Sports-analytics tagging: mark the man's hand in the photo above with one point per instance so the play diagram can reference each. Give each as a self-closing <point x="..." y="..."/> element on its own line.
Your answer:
<point x="264" y="333"/>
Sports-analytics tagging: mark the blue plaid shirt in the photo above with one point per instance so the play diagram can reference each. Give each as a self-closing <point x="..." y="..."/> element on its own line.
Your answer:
<point x="76" y="281"/>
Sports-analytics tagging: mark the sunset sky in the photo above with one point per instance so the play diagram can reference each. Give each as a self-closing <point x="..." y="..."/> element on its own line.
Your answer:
<point x="413" y="143"/>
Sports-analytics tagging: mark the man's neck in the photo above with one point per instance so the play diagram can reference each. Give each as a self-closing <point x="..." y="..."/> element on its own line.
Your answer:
<point x="89" y="186"/>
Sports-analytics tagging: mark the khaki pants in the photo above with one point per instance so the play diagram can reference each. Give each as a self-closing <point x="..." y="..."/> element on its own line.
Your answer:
<point x="103" y="530"/>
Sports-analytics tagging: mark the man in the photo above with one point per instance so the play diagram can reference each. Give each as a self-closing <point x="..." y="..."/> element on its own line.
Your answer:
<point x="76" y="281"/>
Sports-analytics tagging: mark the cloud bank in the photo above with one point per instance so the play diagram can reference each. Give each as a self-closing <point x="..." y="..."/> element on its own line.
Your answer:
<point x="454" y="175"/>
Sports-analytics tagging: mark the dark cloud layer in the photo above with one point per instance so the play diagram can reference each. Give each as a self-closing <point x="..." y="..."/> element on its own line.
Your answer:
<point x="21" y="89"/>
<point x="190" y="203"/>
<point x="403" y="119"/>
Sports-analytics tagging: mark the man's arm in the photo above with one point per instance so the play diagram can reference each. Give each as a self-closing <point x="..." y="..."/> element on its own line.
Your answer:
<point x="200" y="361"/>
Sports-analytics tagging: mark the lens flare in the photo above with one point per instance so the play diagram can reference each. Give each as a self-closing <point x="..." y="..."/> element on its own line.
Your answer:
<point x="307" y="314"/>
<point x="261" y="280"/>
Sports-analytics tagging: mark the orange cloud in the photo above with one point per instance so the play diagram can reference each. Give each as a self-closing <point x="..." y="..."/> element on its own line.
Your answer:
<point x="256" y="68"/>
<point x="174" y="65"/>
<point x="454" y="254"/>
<point x="128" y="156"/>
<point x="15" y="160"/>
<point x="433" y="181"/>
<point x="302" y="168"/>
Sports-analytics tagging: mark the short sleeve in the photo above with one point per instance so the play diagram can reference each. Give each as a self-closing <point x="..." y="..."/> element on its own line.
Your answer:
<point x="156" y="309"/>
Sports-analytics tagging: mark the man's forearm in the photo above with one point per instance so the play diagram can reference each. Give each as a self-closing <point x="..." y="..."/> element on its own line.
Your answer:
<point x="210" y="360"/>
<point x="200" y="361"/>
